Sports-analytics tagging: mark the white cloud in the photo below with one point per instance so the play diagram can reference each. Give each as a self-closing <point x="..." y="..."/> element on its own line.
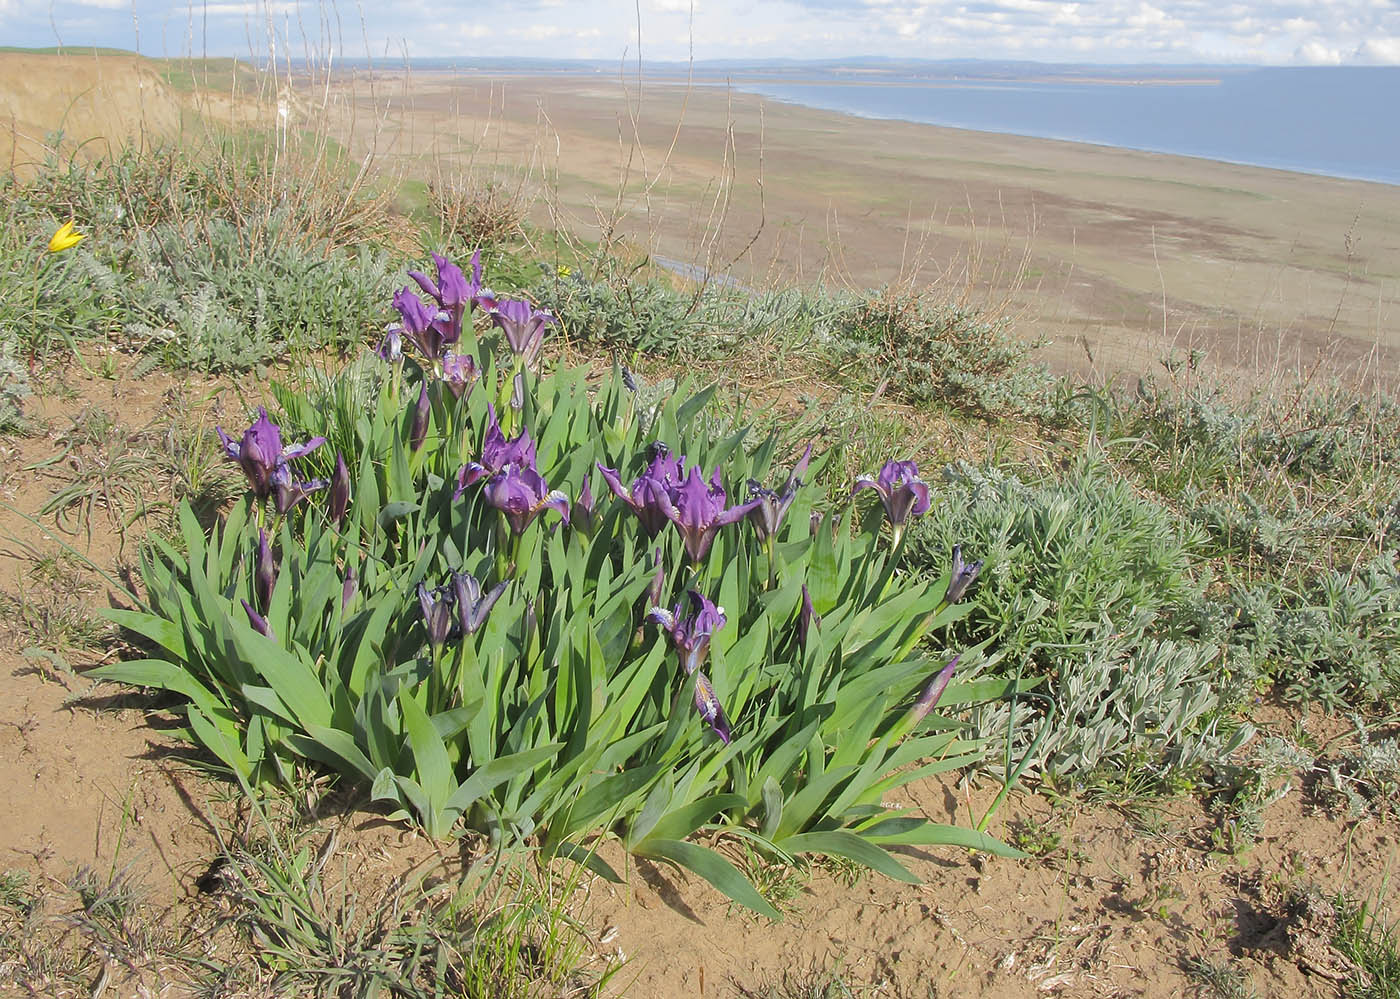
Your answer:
<point x="1380" y="51"/>
<point x="1110" y="31"/>
<point x="1316" y="53"/>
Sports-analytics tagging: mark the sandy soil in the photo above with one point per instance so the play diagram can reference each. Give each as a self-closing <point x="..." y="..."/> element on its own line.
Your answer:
<point x="1123" y="898"/>
<point x="98" y="103"/>
<point x="1114" y="255"/>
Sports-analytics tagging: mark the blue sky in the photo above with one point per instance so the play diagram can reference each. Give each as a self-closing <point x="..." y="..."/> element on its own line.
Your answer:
<point x="1108" y="31"/>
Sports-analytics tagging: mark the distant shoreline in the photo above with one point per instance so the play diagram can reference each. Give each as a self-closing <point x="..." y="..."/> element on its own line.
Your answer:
<point x="1079" y="140"/>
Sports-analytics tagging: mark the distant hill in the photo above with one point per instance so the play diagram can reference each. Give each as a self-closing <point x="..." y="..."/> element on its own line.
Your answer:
<point x="98" y="100"/>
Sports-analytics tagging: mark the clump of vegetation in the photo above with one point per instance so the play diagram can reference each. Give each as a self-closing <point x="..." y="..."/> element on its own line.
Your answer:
<point x="1083" y="585"/>
<point x="938" y="352"/>
<point x="185" y="264"/>
<point x="508" y="638"/>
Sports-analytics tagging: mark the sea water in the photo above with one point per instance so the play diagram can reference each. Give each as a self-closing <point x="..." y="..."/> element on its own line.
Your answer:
<point x="1338" y="121"/>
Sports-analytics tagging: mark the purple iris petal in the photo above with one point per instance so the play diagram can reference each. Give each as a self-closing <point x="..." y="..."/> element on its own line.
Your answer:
<point x="522" y="323"/>
<point x="698" y="509"/>
<point x="390" y="349"/>
<point x="288" y="490"/>
<point x="460" y="373"/>
<point x="340" y="491"/>
<point x="521" y="494"/>
<point x="807" y="618"/>
<point x="264" y="573"/>
<point x="642" y="498"/>
<point x="496" y="453"/>
<point x="258" y="622"/>
<point x="707" y="703"/>
<point x="437" y="613"/>
<point x="933" y="691"/>
<point x="472" y="604"/>
<point x="429" y="330"/>
<point x="961" y="576"/>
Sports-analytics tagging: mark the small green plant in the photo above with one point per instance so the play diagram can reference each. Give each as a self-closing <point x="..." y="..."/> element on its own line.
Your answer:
<point x="1219" y="979"/>
<point x="1084" y="582"/>
<point x="1373" y="948"/>
<point x="939" y="352"/>
<point x="486" y="652"/>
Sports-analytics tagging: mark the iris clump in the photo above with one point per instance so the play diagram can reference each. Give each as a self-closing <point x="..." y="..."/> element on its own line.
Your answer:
<point x="448" y="628"/>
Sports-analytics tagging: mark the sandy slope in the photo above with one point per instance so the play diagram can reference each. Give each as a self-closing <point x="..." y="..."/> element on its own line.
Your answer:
<point x="98" y="102"/>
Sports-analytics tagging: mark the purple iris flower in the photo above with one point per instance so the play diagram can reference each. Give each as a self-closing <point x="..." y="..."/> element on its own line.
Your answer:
<point x="772" y="507"/>
<point x="454" y="295"/>
<point x="264" y="573"/>
<point x="260" y="452"/>
<point x="521" y="494"/>
<point x="522" y="323"/>
<point x="390" y="349"/>
<point x="807" y="618"/>
<point x="472" y="604"/>
<point x="451" y="290"/>
<point x="650" y="488"/>
<point x="933" y="691"/>
<point x="496" y="453"/>
<point x="258" y="622"/>
<point x="460" y="373"/>
<point x="691" y="635"/>
<point x="430" y="330"/>
<point x="961" y="576"/>
<point x="437" y="613"/>
<point x="698" y="510"/>
<point x="707" y="704"/>
<point x="340" y="491"/>
<point x="288" y="490"/>
<point x="901" y="490"/>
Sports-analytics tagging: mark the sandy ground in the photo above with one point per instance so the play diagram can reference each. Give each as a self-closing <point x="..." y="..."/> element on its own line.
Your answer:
<point x="1115" y="256"/>
<point x="1125" y="896"/>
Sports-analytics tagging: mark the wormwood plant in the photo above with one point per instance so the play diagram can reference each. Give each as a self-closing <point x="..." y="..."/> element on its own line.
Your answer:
<point x="485" y="651"/>
<point x="943" y="353"/>
<point x="1086" y="584"/>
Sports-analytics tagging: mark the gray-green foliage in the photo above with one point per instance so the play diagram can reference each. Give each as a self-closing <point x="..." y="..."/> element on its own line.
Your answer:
<point x="1368" y="778"/>
<point x="1067" y="555"/>
<point x="177" y="267"/>
<point x="14" y="387"/>
<point x="205" y="303"/>
<point x="941" y="352"/>
<point x="1126" y="702"/>
<point x="656" y="316"/>
<point x="1083" y="583"/>
<point x="1336" y="640"/>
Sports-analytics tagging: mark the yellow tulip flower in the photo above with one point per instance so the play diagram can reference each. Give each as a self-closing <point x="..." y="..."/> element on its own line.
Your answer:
<point x="65" y="238"/>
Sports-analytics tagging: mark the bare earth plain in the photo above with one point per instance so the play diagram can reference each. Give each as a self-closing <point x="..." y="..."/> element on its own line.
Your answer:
<point x="1256" y="264"/>
<point x="1115" y="256"/>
